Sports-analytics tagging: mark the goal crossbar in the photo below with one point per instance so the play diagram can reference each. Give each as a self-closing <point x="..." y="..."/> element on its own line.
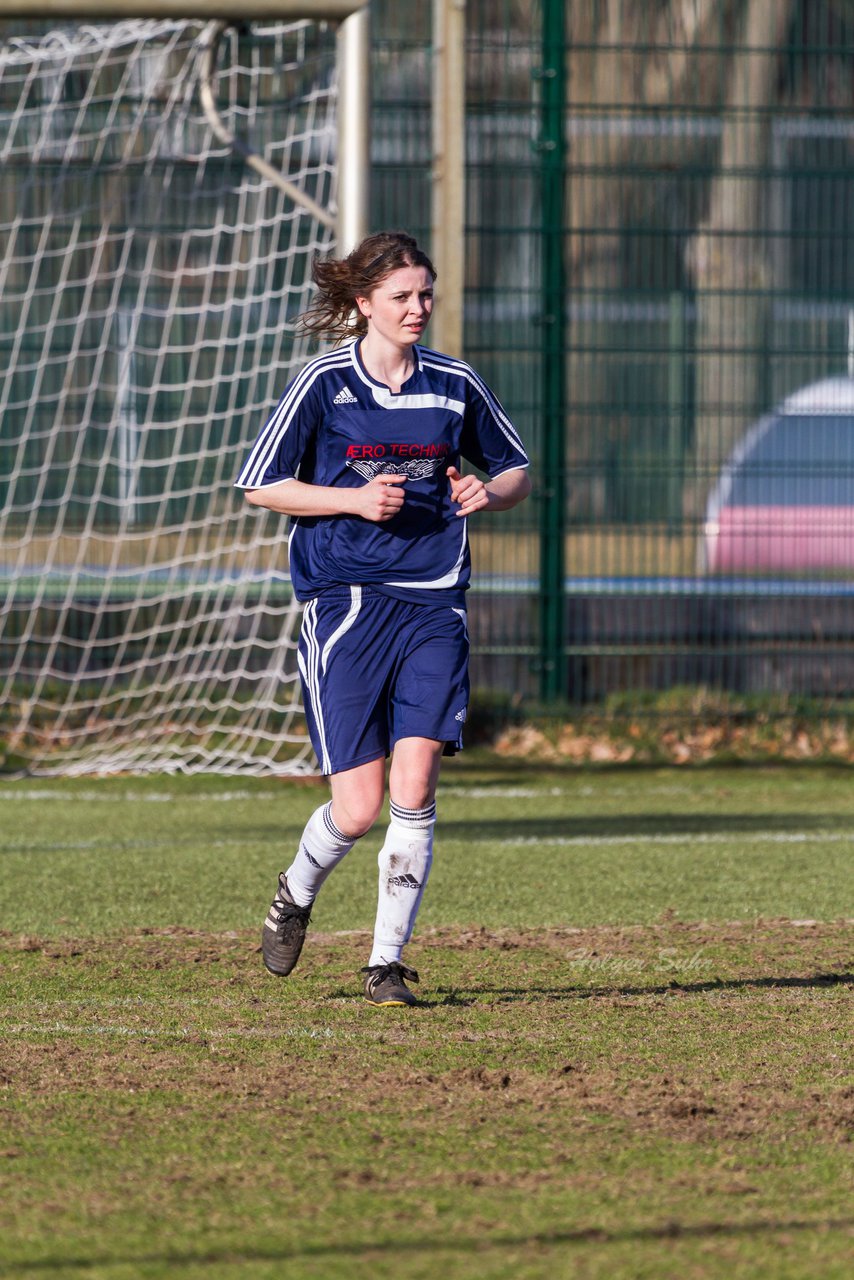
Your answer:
<point x="116" y="10"/>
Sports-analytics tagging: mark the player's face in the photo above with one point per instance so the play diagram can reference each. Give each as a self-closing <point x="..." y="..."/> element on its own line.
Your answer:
<point x="399" y="307"/>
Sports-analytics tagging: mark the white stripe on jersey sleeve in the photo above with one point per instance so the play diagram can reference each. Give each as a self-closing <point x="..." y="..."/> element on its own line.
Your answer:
<point x="264" y="449"/>
<point x="447" y="364"/>
<point x="517" y="466"/>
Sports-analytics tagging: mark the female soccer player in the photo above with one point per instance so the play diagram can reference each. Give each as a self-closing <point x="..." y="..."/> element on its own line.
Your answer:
<point x="364" y="453"/>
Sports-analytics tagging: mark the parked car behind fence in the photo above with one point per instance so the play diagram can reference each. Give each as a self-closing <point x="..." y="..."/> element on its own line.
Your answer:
<point x="784" y="503"/>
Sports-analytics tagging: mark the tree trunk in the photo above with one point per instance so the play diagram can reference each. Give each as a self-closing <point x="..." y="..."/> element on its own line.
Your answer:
<point x="731" y="256"/>
<point x="608" y="82"/>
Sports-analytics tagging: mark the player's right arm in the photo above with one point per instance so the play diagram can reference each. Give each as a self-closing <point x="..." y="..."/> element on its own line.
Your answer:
<point x="378" y="500"/>
<point x="268" y="477"/>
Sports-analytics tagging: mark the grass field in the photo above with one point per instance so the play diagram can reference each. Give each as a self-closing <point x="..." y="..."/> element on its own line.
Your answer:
<point x="633" y="1059"/>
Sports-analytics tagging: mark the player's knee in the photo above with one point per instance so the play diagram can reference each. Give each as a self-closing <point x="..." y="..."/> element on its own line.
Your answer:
<point x="355" y="816"/>
<point x="414" y="793"/>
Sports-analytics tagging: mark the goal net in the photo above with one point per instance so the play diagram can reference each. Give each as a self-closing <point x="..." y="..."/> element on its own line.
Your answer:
<point x="148" y="295"/>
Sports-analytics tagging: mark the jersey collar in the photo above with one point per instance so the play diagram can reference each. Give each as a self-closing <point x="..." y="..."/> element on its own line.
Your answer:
<point x="381" y="386"/>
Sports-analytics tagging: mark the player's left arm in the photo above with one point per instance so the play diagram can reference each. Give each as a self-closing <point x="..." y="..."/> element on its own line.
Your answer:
<point x="490" y="442"/>
<point x="473" y="494"/>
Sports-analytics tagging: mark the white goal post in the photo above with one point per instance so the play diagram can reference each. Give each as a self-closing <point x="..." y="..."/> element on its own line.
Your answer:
<point x="151" y="278"/>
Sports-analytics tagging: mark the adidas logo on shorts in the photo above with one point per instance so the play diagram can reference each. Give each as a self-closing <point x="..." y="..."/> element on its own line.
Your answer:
<point x="345" y="396"/>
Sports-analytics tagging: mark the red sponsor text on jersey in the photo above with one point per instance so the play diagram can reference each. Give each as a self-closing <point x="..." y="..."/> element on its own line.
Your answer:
<point x="398" y="450"/>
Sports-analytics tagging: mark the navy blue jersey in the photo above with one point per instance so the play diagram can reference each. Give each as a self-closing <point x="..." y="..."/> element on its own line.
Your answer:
<point x="336" y="426"/>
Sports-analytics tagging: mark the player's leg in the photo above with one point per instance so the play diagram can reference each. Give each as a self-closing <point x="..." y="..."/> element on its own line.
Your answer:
<point x="407" y="853"/>
<point x="429" y="702"/>
<point x="333" y="829"/>
<point x="351" y="743"/>
<point x="329" y="835"/>
<point x="357" y="796"/>
<point x="404" y="867"/>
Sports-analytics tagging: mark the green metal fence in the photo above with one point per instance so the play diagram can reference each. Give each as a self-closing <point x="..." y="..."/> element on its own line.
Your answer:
<point x="660" y="224"/>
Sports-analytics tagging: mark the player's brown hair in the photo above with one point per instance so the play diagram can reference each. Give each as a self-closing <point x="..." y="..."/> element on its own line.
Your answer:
<point x="334" y="313"/>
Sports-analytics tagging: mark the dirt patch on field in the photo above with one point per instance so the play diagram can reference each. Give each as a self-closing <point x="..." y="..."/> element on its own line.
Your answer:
<point x="794" y="935"/>
<point x="679" y="1107"/>
<point x="527" y="1026"/>
<point x="152" y="948"/>
<point x="669" y="957"/>
<point x="177" y="944"/>
<point x="676" y="1106"/>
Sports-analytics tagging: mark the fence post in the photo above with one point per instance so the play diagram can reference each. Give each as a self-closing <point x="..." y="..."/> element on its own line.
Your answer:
<point x="676" y="392"/>
<point x="447" y="240"/>
<point x="552" y="152"/>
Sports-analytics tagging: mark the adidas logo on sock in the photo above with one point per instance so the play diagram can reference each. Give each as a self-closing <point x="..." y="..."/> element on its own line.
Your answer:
<point x="404" y="882"/>
<point x="309" y="857"/>
<point x="345" y="396"/>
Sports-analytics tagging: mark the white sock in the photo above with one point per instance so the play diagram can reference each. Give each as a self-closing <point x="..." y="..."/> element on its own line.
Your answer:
<point x="404" y="862"/>
<point x="321" y="848"/>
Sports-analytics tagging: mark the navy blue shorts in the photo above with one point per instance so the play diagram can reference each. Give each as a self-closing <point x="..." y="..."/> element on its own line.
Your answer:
<point x="375" y="670"/>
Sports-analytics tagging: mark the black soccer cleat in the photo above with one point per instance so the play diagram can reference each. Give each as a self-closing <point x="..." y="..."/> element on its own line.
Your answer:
<point x="384" y="983"/>
<point x="284" y="932"/>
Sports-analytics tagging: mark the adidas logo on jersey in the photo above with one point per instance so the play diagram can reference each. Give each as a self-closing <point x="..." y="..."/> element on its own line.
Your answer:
<point x="345" y="396"/>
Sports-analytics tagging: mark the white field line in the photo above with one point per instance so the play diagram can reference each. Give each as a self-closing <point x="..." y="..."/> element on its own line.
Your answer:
<point x="509" y="793"/>
<point x="490" y="842"/>
<point x="450" y="790"/>
<point x="692" y="839"/>
<point x="446" y="790"/>
<point x="43" y="794"/>
<point x="123" y="797"/>
<point x="669" y="837"/>
<point x="571" y="789"/>
<point x="179" y="1033"/>
<point x="106" y="842"/>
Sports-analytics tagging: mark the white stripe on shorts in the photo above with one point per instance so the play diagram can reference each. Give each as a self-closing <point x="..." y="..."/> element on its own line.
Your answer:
<point x="309" y="671"/>
<point x="355" y="606"/>
<point x="313" y="669"/>
<point x="461" y="614"/>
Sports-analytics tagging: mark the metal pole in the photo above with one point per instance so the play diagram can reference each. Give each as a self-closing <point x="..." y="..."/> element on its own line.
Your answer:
<point x="448" y="186"/>
<point x="354" y="130"/>
<point x="211" y="37"/>
<point x="552" y="149"/>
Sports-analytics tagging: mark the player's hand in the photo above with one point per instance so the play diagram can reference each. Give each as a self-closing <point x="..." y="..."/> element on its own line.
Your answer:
<point x="381" y="498"/>
<point x="468" y="491"/>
